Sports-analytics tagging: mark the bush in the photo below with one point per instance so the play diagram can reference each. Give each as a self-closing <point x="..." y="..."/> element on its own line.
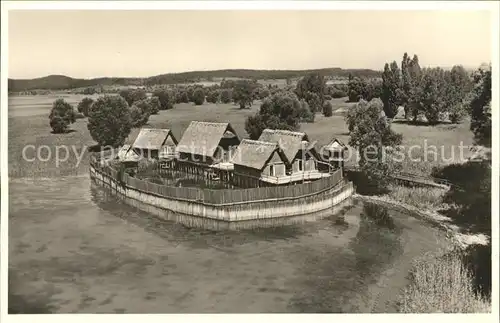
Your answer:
<point x="337" y="94"/>
<point x="155" y="105"/>
<point x="226" y="96"/>
<point x="457" y="113"/>
<point x="198" y="96"/>
<point x="280" y="111"/>
<point x="140" y="112"/>
<point x="264" y="93"/>
<point x="89" y="91"/>
<point x="312" y="88"/>
<point x="360" y="88"/>
<point x="327" y="109"/>
<point x="328" y="97"/>
<point x="132" y="95"/>
<point x="84" y="106"/>
<point x="110" y="121"/>
<point x="136" y="117"/>
<point x="243" y="93"/>
<point x="213" y="96"/>
<point x="182" y="97"/>
<point x="306" y="115"/>
<point x="61" y="116"/>
<point x="166" y="98"/>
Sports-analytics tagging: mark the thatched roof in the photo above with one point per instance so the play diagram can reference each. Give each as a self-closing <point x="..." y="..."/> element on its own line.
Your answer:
<point x="127" y="154"/>
<point x="335" y="145"/>
<point x="152" y="139"/>
<point x="131" y="156"/>
<point x="255" y="154"/>
<point x="122" y="152"/>
<point x="289" y="141"/>
<point x="202" y="138"/>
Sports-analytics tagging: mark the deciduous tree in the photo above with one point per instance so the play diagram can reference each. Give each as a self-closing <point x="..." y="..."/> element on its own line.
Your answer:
<point x="480" y="107"/>
<point x="198" y="96"/>
<point x="213" y="96"/>
<point x="327" y="109"/>
<point x="132" y="95"/>
<point x="155" y="104"/>
<point x="391" y="89"/>
<point x="140" y="112"/>
<point x="375" y="141"/>
<point x="110" y="121"/>
<point x="312" y="88"/>
<point x="84" y="106"/>
<point x="305" y="113"/>
<point x="166" y="97"/>
<point x="279" y="111"/>
<point x="61" y="116"/>
<point x="243" y="93"/>
<point x="226" y="96"/>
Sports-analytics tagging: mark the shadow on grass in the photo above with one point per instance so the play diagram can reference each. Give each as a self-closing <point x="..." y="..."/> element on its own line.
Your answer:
<point x="362" y="184"/>
<point x="471" y="197"/>
<point x="419" y="123"/>
<point x="97" y="148"/>
<point x="63" y="133"/>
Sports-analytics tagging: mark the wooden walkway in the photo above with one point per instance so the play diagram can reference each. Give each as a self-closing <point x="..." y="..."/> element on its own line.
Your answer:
<point x="414" y="179"/>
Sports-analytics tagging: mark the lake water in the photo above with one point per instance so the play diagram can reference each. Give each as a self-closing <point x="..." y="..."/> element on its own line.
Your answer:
<point x="74" y="248"/>
<point x="34" y="105"/>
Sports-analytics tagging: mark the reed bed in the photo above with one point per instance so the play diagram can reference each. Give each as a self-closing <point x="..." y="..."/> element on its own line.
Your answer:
<point x="442" y="284"/>
<point x="423" y="197"/>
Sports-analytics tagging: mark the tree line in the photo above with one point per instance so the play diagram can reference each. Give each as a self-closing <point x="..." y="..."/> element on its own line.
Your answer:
<point x="369" y="125"/>
<point x="61" y="82"/>
<point x="433" y="93"/>
<point x="424" y="90"/>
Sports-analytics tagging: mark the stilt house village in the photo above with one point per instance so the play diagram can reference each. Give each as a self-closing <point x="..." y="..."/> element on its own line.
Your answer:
<point x="214" y="150"/>
<point x="211" y="178"/>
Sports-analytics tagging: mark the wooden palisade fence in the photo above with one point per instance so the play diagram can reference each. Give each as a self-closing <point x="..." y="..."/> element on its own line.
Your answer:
<point x="226" y="205"/>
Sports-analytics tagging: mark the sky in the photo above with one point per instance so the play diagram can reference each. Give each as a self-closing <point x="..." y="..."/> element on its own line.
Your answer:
<point x="87" y="44"/>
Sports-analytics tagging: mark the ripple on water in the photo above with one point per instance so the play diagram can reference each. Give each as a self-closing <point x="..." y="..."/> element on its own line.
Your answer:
<point x="76" y="249"/>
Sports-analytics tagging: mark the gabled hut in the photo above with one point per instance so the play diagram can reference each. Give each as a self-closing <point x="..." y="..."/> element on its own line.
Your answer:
<point x="301" y="155"/>
<point x="155" y="143"/>
<point x="205" y="144"/>
<point x="334" y="153"/>
<point x="128" y="157"/>
<point x="256" y="162"/>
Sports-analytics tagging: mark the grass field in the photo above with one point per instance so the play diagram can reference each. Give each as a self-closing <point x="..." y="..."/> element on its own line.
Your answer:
<point x="35" y="130"/>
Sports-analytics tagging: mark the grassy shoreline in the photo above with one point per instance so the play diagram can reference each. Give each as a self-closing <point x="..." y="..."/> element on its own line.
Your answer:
<point x="438" y="282"/>
<point x="432" y="217"/>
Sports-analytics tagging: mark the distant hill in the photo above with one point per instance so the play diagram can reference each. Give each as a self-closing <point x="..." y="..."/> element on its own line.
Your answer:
<point x="61" y="82"/>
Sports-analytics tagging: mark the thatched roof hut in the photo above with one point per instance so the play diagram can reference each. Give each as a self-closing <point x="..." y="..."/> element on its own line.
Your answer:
<point x="203" y="138"/>
<point x="256" y="154"/>
<point x="153" y="139"/>
<point x="335" y="145"/>
<point x="290" y="142"/>
<point x="127" y="155"/>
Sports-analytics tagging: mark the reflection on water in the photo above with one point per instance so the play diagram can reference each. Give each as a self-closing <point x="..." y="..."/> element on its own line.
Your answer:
<point x="77" y="249"/>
